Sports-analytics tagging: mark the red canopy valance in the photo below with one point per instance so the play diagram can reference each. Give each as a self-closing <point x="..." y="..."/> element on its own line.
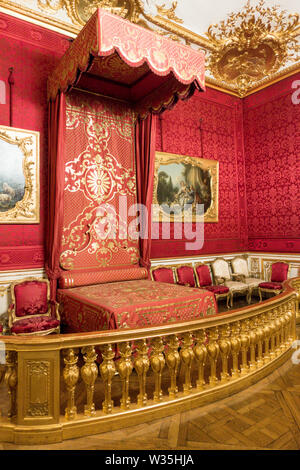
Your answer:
<point x="117" y="58"/>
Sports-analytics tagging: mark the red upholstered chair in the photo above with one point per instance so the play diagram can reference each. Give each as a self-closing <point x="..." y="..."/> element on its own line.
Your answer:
<point x="279" y="274"/>
<point x="1" y="329"/>
<point x="31" y="312"/>
<point x="163" y="274"/>
<point x="185" y="275"/>
<point x="204" y="280"/>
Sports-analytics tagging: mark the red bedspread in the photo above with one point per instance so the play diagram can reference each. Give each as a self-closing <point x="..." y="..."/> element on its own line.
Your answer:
<point x="131" y="304"/>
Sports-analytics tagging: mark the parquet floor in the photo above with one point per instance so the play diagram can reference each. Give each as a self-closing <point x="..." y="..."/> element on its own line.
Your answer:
<point x="265" y="416"/>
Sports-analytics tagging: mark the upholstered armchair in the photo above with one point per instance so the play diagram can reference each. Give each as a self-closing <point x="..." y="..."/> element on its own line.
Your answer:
<point x="252" y="279"/>
<point x="31" y="311"/>
<point x="224" y="276"/>
<point x="163" y="274"/>
<point x="204" y="281"/>
<point x="185" y="275"/>
<point x="279" y="274"/>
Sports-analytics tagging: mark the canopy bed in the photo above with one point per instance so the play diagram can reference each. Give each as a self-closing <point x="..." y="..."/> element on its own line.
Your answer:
<point x="103" y="96"/>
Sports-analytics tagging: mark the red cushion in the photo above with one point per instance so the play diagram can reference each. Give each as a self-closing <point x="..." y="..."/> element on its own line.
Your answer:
<point x="186" y="276"/>
<point x="279" y="272"/>
<point x="31" y="298"/>
<point x="163" y="275"/>
<point x="217" y="289"/>
<point x="270" y="285"/>
<point x="30" y="325"/>
<point x="204" y="276"/>
<point x="1" y="328"/>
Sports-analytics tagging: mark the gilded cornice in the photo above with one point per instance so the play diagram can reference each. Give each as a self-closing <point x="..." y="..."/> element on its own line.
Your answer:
<point x="246" y="52"/>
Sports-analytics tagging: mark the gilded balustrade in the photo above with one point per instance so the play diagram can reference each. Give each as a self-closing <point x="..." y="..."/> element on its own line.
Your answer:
<point x="131" y="376"/>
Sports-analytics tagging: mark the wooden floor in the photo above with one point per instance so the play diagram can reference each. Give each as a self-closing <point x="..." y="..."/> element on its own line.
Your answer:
<point x="265" y="416"/>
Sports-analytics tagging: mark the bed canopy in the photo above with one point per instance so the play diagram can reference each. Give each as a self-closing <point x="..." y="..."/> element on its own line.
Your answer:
<point x="102" y="97"/>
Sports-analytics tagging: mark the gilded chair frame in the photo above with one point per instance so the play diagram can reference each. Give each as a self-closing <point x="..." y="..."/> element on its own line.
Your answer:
<point x="228" y="295"/>
<point x="243" y="277"/>
<point x="234" y="278"/>
<point x="153" y="268"/>
<point x="12" y="318"/>
<point x="188" y="265"/>
<point x="273" y="291"/>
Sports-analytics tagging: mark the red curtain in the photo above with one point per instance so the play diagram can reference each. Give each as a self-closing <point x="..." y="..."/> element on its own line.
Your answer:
<point x="56" y="131"/>
<point x="145" y="139"/>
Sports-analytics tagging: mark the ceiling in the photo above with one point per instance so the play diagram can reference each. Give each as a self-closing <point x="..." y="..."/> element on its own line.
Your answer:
<point x="248" y="44"/>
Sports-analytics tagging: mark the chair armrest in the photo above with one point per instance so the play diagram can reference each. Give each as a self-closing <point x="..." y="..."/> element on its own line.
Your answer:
<point x="219" y="281"/>
<point x="239" y="277"/>
<point x="10" y="311"/>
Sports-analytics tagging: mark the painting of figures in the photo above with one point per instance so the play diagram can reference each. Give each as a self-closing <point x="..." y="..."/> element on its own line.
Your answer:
<point x="184" y="183"/>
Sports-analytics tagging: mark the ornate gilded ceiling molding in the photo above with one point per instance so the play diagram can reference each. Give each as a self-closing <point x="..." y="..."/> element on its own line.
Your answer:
<point x="252" y="44"/>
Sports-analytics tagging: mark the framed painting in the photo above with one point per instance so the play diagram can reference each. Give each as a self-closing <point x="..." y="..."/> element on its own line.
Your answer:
<point x="183" y="183"/>
<point x="19" y="176"/>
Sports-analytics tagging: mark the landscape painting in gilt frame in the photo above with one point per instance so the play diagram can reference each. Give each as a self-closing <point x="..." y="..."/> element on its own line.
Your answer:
<point x="180" y="180"/>
<point x="19" y="176"/>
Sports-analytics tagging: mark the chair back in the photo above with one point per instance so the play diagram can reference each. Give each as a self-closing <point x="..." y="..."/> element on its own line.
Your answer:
<point x="163" y="274"/>
<point x="203" y="275"/>
<point x="185" y="275"/>
<point x="279" y="271"/>
<point x="240" y="266"/>
<point x="221" y="268"/>
<point x="30" y="297"/>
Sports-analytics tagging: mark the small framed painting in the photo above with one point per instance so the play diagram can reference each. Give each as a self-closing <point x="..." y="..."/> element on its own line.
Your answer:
<point x="185" y="188"/>
<point x="19" y="176"/>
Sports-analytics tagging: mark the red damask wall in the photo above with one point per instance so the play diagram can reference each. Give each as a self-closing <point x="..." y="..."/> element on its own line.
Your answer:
<point x="272" y="142"/>
<point x="210" y="125"/>
<point x="33" y="52"/>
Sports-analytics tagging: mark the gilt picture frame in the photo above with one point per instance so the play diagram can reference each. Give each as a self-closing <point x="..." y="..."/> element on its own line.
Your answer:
<point x="19" y="176"/>
<point x="182" y="182"/>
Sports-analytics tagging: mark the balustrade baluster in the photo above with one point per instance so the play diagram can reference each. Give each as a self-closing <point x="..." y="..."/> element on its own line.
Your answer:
<point x="124" y="367"/>
<point x="187" y="356"/>
<point x="11" y="379"/>
<point x="253" y="342"/>
<point x="235" y="349"/>
<point x="107" y="371"/>
<point x="282" y="331"/>
<point x="277" y="331"/>
<point x="89" y="373"/>
<point x="267" y="334"/>
<point x="172" y="361"/>
<point x="141" y="365"/>
<point x="213" y="352"/>
<point x="200" y="352"/>
<point x="225" y="346"/>
<point x="260" y="339"/>
<point x="245" y="344"/>
<point x="157" y="362"/>
<point x="272" y="326"/>
<point x="71" y="375"/>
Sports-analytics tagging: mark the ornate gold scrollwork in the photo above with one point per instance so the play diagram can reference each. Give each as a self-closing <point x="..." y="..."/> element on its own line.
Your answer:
<point x="252" y="43"/>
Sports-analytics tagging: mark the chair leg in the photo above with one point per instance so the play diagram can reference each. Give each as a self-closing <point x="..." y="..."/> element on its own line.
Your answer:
<point x="227" y="300"/>
<point x="260" y="296"/>
<point x="249" y="295"/>
<point x="231" y="299"/>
